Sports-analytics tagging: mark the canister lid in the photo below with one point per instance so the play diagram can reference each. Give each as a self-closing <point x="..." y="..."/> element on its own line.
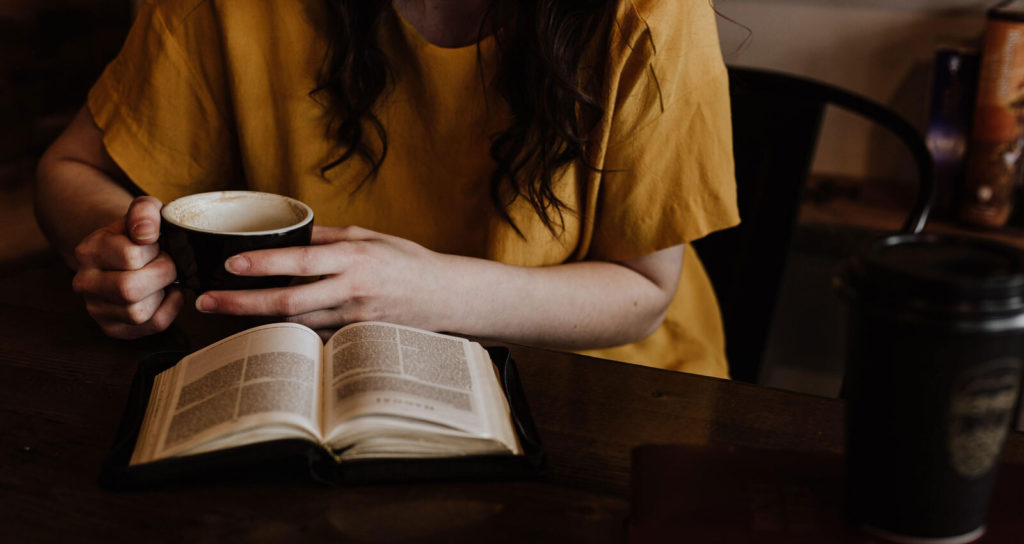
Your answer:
<point x="930" y="272"/>
<point x="1007" y="10"/>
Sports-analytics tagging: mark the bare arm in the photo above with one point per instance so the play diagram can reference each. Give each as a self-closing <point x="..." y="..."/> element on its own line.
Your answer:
<point x="371" y="276"/>
<point x="79" y="188"/>
<point x="84" y="208"/>
<point x="572" y="306"/>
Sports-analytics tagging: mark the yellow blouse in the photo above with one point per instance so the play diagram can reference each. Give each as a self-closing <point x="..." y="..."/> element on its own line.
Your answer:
<point x="209" y="95"/>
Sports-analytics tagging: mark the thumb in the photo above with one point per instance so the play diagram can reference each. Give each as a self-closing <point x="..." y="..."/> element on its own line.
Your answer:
<point x="142" y="222"/>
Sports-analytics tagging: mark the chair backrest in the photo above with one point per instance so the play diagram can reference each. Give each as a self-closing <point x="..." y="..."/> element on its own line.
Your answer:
<point x="776" y="119"/>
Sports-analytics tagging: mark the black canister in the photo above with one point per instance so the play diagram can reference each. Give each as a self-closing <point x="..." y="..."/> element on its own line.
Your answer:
<point x="935" y="342"/>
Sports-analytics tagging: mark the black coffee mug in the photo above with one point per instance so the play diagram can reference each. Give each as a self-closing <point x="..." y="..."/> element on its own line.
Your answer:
<point x="935" y="353"/>
<point x="201" y="231"/>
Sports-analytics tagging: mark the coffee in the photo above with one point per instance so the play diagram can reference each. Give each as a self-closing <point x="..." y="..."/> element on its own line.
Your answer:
<point x="236" y="212"/>
<point x="202" y="231"/>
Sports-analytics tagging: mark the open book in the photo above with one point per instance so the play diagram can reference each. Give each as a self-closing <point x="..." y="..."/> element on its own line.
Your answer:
<point x="374" y="390"/>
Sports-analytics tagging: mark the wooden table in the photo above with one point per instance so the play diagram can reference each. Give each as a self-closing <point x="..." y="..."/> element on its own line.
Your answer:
<point x="64" y="385"/>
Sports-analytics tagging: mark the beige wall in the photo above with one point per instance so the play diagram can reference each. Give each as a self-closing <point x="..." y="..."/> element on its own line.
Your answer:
<point x="882" y="49"/>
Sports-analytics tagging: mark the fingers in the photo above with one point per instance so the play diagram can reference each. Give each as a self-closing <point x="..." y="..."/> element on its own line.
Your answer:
<point x="136" y="313"/>
<point x="327" y="255"/>
<point x="127" y="244"/>
<point x="280" y="302"/>
<point x="327" y="235"/>
<point x="125" y="286"/>
<point x="142" y="222"/>
<point x="329" y="320"/>
<point x="108" y="249"/>
<point x="296" y="261"/>
<point x="162" y="318"/>
<point x="122" y="274"/>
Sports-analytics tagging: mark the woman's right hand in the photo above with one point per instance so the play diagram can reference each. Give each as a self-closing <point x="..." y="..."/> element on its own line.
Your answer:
<point x="123" y="275"/>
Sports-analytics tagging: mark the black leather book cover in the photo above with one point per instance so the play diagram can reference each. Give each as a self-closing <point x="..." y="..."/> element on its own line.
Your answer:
<point x="294" y="458"/>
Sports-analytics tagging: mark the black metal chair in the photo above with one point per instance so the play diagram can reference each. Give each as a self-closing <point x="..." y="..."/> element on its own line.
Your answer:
<point x="776" y="119"/>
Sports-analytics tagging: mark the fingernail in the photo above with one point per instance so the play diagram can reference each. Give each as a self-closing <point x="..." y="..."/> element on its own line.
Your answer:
<point x="206" y="304"/>
<point x="144" y="230"/>
<point x="237" y="264"/>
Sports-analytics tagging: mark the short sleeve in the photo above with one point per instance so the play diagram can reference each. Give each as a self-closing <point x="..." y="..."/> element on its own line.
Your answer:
<point x="668" y="174"/>
<point x="163" y="104"/>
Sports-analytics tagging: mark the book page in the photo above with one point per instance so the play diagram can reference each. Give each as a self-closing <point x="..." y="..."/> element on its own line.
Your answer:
<point x="382" y="436"/>
<point x="263" y="377"/>
<point x="383" y="369"/>
<point x="498" y="413"/>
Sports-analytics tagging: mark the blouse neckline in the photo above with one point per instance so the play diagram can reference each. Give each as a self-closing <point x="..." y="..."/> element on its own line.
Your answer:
<point x="410" y="30"/>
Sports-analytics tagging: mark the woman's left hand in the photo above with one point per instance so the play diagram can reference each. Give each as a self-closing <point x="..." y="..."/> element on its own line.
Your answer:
<point x="363" y="276"/>
<point x="360" y="275"/>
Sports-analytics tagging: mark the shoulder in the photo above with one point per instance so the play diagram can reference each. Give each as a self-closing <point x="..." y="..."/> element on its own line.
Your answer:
<point x="679" y="11"/>
<point x="672" y="43"/>
<point x="175" y="14"/>
<point x="172" y="14"/>
<point x="665" y="24"/>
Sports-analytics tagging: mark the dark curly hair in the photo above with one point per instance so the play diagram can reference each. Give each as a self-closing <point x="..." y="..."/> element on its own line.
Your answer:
<point x="551" y="97"/>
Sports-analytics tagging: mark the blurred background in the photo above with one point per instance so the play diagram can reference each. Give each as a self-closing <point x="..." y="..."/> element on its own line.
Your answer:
<point x="882" y="49"/>
<point x="862" y="179"/>
<point x="51" y="51"/>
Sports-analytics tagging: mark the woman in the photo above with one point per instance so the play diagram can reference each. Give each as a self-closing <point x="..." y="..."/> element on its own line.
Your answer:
<point x="524" y="171"/>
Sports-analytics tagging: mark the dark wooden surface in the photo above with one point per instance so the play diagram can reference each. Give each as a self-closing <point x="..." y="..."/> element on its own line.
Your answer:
<point x="64" y="386"/>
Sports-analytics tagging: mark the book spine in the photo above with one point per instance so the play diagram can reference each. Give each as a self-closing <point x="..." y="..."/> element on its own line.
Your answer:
<point x="996" y="143"/>
<point x="954" y="79"/>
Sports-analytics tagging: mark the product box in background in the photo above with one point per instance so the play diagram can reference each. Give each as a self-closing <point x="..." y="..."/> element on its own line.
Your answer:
<point x="954" y="81"/>
<point x="997" y="134"/>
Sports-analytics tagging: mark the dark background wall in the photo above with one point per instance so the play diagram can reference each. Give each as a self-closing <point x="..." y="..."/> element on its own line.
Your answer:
<point x="51" y="51"/>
